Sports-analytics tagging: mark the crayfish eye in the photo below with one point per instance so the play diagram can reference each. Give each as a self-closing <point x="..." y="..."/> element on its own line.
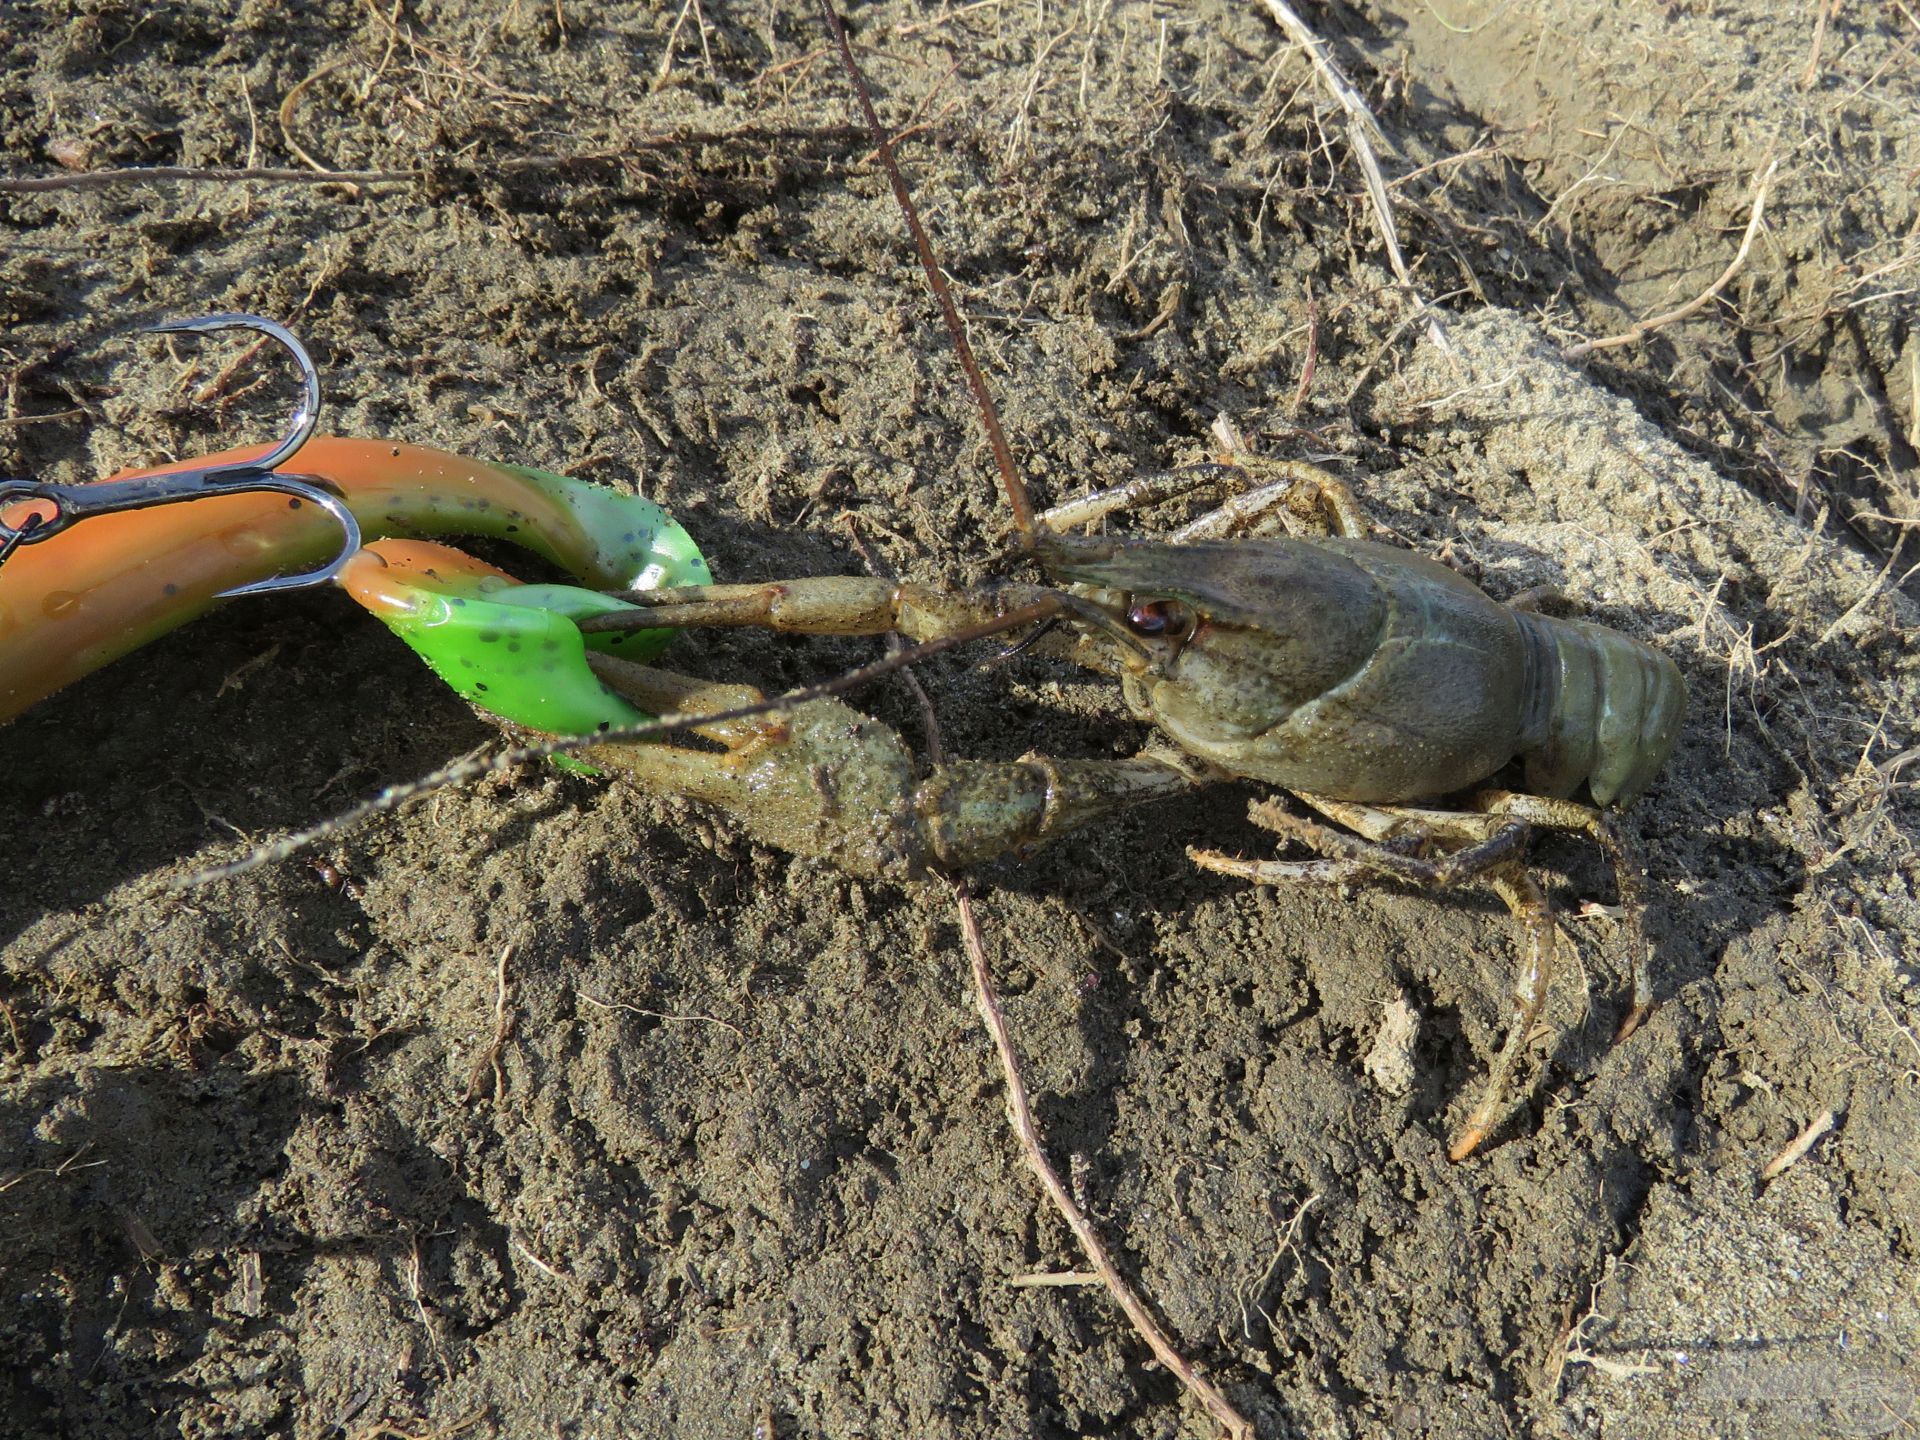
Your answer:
<point x="1154" y="618"/>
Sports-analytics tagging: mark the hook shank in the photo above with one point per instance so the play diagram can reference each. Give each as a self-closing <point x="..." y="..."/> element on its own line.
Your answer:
<point x="53" y="508"/>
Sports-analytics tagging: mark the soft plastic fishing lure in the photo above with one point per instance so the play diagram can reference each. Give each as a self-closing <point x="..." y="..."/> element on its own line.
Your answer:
<point x="86" y="597"/>
<point x="510" y="648"/>
<point x="108" y="583"/>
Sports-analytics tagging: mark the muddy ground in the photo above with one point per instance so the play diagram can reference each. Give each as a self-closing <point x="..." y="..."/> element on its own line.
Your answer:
<point x="740" y="1150"/>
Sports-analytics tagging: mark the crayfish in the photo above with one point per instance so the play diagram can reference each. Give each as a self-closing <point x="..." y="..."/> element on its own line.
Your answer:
<point x="1358" y="676"/>
<point x="1362" y="678"/>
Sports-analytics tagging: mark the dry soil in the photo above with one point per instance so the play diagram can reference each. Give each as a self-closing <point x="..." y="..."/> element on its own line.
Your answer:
<point x="739" y="1155"/>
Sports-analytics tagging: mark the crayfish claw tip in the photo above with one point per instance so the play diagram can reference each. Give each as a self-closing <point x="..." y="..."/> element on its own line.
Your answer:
<point x="1635" y="1018"/>
<point x="1464" y="1147"/>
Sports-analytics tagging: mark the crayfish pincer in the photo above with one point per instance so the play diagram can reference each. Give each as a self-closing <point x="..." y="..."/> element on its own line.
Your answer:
<point x="1360" y="677"/>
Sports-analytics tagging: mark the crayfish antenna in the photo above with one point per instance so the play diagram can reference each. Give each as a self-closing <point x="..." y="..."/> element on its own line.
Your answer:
<point x="1029" y="528"/>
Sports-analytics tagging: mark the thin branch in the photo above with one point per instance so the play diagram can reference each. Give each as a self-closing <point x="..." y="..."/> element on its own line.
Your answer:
<point x="1699" y="302"/>
<point x="1362" y="130"/>
<point x="202" y="175"/>
<point x="487" y="1065"/>
<point x="460" y="68"/>
<point x="1797" y="1148"/>
<point x="1020" y="1110"/>
<point x="1812" y="70"/>
<point x="291" y="103"/>
<point x="660" y="1015"/>
<point x="1015" y="486"/>
<point x="515" y="165"/>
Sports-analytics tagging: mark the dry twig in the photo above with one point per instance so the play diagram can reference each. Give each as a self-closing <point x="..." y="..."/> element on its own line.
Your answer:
<point x="291" y="103"/>
<point x="201" y="174"/>
<point x="487" y="1064"/>
<point x="673" y="38"/>
<point x="660" y="1015"/>
<point x="1808" y="75"/>
<point x="1250" y="1297"/>
<point x="771" y="135"/>
<point x="459" y="68"/>
<point x="1699" y="302"/>
<point x="1797" y="1148"/>
<point x="1362" y="130"/>
<point x="1020" y="1110"/>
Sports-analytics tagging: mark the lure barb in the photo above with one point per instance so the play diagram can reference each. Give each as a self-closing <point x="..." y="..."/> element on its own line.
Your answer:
<point x="50" y="508"/>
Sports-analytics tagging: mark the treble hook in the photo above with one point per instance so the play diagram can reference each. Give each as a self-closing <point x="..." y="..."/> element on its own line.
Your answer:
<point x="74" y="503"/>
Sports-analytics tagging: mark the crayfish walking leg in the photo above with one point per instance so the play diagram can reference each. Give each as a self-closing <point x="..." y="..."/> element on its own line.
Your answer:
<point x="1490" y="849"/>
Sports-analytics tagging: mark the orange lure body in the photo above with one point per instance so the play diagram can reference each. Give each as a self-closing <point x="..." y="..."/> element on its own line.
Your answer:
<point x="85" y="597"/>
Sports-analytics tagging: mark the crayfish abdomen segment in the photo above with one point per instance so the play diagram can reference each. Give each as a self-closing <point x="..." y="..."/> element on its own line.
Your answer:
<point x="1611" y="712"/>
